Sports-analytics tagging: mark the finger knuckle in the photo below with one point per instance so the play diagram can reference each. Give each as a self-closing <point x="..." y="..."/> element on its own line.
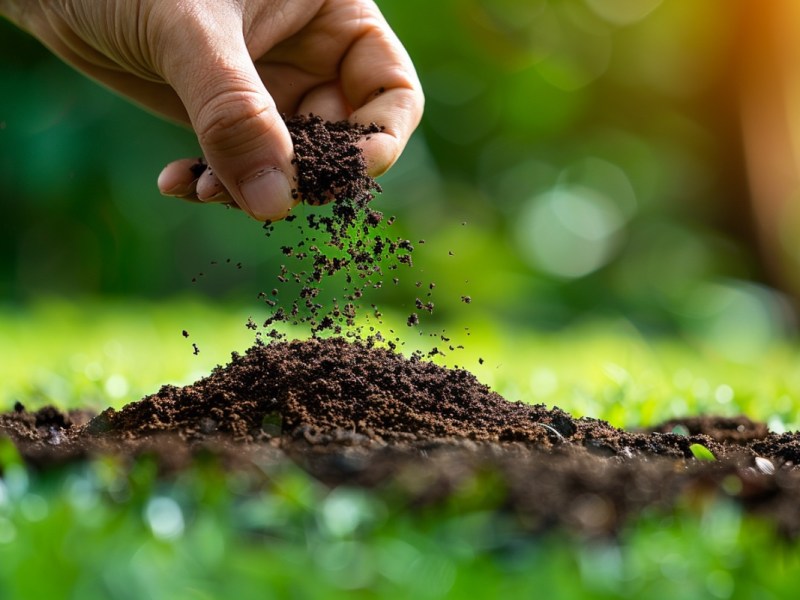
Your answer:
<point x="233" y="119"/>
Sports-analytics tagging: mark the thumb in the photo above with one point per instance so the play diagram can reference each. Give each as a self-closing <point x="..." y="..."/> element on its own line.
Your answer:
<point x="243" y="137"/>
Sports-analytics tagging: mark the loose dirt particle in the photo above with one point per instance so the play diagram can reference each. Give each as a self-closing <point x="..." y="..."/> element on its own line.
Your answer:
<point x="198" y="168"/>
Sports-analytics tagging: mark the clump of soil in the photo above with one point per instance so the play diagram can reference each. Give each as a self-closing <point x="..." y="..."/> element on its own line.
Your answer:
<point x="329" y="164"/>
<point x="353" y="413"/>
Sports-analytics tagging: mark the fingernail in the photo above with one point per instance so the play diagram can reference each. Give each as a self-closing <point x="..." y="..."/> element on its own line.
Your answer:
<point x="174" y="189"/>
<point x="209" y="187"/>
<point x="215" y="197"/>
<point x="177" y="191"/>
<point x="267" y="195"/>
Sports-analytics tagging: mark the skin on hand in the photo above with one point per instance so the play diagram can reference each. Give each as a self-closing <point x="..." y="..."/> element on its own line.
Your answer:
<point x="229" y="69"/>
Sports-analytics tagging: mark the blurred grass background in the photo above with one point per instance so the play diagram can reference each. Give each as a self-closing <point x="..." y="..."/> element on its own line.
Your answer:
<point x="592" y="148"/>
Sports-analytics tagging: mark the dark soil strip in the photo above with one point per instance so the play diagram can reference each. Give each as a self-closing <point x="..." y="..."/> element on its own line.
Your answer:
<point x="354" y="414"/>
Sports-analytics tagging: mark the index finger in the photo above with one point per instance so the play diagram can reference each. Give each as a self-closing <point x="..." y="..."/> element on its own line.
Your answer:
<point x="379" y="80"/>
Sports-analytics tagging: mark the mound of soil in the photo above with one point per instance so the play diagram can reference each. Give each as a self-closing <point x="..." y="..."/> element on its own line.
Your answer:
<point x="352" y="413"/>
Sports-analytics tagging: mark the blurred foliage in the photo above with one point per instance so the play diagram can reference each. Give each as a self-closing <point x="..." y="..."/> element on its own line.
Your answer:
<point x="591" y="147"/>
<point x="103" y="530"/>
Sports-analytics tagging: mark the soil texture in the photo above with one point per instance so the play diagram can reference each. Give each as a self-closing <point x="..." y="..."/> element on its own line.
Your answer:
<point x="352" y="413"/>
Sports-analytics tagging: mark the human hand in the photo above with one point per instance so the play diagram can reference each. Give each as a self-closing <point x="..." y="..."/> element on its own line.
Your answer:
<point x="229" y="69"/>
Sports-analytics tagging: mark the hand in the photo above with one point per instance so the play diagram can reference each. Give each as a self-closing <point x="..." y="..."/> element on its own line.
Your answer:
<point x="229" y="68"/>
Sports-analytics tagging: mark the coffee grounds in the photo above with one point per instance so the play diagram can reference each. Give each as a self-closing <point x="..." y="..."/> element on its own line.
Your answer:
<point x="354" y="414"/>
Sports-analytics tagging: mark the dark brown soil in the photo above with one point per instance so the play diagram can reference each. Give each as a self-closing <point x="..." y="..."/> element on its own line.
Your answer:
<point x="351" y="413"/>
<point x="329" y="164"/>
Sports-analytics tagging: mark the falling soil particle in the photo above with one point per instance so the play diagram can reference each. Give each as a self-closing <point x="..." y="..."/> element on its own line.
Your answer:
<point x="348" y="249"/>
<point x="356" y="414"/>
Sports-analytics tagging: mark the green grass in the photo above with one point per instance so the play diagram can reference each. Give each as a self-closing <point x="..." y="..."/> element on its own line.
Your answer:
<point x="99" y="531"/>
<point x="100" y="354"/>
<point x="92" y="532"/>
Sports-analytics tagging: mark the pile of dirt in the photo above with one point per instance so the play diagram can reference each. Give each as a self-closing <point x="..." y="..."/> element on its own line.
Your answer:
<point x="352" y="413"/>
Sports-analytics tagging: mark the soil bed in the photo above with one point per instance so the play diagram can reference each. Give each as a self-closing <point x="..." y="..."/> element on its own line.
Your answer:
<point x="351" y="413"/>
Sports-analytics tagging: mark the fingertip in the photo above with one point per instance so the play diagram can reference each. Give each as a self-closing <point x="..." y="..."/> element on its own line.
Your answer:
<point x="380" y="151"/>
<point x="267" y="195"/>
<point x="179" y="177"/>
<point x="397" y="111"/>
<point x="209" y="187"/>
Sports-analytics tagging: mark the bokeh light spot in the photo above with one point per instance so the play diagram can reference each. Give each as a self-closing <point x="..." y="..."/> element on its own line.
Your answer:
<point x="165" y="518"/>
<point x="569" y="231"/>
<point x="623" y="12"/>
<point x="116" y="386"/>
<point x="739" y="320"/>
<point x="343" y="511"/>
<point x="606" y="178"/>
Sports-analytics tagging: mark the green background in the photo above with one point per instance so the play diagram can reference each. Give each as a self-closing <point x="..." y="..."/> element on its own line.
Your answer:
<point x="592" y="148"/>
